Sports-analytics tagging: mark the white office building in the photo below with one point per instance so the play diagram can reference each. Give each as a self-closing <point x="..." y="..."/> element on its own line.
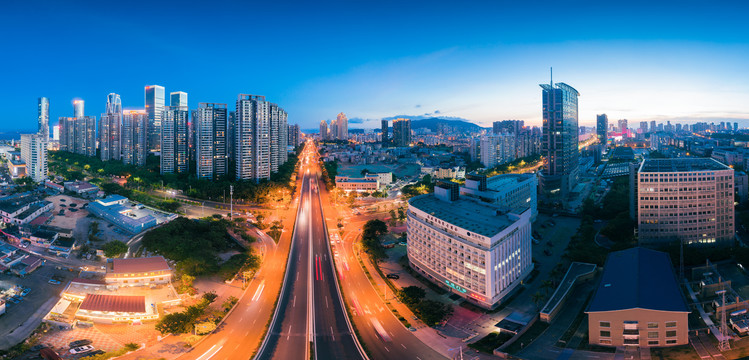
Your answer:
<point x="477" y="250"/>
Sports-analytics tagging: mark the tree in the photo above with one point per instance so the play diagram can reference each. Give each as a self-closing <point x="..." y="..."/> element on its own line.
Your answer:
<point x="536" y="298"/>
<point x="210" y="297"/>
<point x="411" y="295"/>
<point x="229" y="303"/>
<point x="547" y="285"/>
<point x="433" y="312"/>
<point x="114" y="248"/>
<point x="175" y="323"/>
<point x="365" y="172"/>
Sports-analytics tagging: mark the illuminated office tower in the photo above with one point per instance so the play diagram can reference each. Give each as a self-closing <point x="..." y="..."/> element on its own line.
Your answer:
<point x="278" y="136"/>
<point x="174" y="140"/>
<point x="34" y="153"/>
<point x="134" y="129"/>
<point x="560" y="140"/>
<point x="178" y="98"/>
<point x="78" y="108"/>
<point x="155" y="111"/>
<point x="210" y="138"/>
<point x="401" y="132"/>
<point x="43" y="117"/>
<point x="110" y="123"/>
<point x="342" y="122"/>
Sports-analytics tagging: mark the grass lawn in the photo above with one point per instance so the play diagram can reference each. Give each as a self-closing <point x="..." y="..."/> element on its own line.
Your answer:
<point x="684" y="352"/>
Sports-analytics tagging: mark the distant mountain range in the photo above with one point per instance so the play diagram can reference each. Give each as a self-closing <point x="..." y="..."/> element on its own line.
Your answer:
<point x="429" y="121"/>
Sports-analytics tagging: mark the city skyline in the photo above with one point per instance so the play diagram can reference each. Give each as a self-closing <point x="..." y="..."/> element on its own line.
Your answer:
<point x="482" y="65"/>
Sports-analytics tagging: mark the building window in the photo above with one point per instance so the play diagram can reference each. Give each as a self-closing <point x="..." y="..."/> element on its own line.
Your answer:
<point x="631" y="342"/>
<point x="652" y="334"/>
<point x="605" y="333"/>
<point x="605" y="341"/>
<point x="671" y="333"/>
<point x="670" y="324"/>
<point x="652" y="325"/>
<point x="653" y="342"/>
<point x="604" y="324"/>
<point x="669" y="342"/>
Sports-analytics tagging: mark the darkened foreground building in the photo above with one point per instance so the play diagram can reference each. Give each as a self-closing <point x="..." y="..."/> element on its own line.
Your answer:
<point x="638" y="302"/>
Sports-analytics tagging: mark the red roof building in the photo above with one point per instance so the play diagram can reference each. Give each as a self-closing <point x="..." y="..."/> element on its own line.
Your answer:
<point x="138" y="271"/>
<point x="114" y="303"/>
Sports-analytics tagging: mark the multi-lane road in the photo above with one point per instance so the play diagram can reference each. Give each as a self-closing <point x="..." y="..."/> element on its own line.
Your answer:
<point x="310" y="318"/>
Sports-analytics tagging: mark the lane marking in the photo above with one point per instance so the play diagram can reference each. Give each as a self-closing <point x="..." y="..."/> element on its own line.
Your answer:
<point x="207" y="355"/>
<point x="259" y="291"/>
<point x="294" y="301"/>
<point x="386" y="348"/>
<point x="289" y="334"/>
<point x="332" y="333"/>
<point x="404" y="346"/>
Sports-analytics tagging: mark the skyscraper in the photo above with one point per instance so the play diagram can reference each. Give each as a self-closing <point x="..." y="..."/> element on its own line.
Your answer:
<point x="401" y="132"/>
<point x="644" y="126"/>
<point x="134" y="129"/>
<point x="78" y="108"/>
<point x="34" y="153"/>
<point x="602" y="126"/>
<point x="623" y="127"/>
<point x="210" y="139"/>
<point x="294" y="135"/>
<point x="178" y="98"/>
<point x="174" y="140"/>
<point x="110" y="123"/>
<point x="385" y="131"/>
<point x="652" y="126"/>
<point x="497" y="149"/>
<point x="258" y="125"/>
<point x="278" y="137"/>
<point x="78" y="135"/>
<point x="342" y="122"/>
<point x="155" y="111"/>
<point x="333" y="130"/>
<point x="560" y="139"/>
<point x="43" y="117"/>
<point x="323" y="130"/>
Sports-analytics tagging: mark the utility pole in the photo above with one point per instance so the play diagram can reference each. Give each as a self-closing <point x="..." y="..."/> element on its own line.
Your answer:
<point x="724" y="344"/>
<point x="231" y="201"/>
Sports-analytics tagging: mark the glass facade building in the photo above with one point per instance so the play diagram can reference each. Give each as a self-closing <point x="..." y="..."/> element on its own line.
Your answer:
<point x="559" y="144"/>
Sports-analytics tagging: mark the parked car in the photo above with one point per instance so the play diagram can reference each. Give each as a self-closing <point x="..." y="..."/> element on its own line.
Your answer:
<point x="25" y="291"/>
<point x="81" y="349"/>
<point x="53" y="281"/>
<point x="79" y="343"/>
<point x="393" y="276"/>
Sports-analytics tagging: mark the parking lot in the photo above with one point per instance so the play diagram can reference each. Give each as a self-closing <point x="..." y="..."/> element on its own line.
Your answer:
<point x="21" y="319"/>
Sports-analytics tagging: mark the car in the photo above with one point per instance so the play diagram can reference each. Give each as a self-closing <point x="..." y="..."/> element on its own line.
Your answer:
<point x="393" y="276"/>
<point x="412" y="328"/>
<point x="53" y="281"/>
<point x="25" y="292"/>
<point x="79" y="343"/>
<point x="82" y="349"/>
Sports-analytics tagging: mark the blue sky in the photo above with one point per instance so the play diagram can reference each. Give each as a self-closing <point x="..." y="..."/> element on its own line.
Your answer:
<point x="679" y="61"/>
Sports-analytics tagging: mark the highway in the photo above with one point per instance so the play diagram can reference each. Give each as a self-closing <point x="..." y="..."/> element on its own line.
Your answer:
<point x="309" y="297"/>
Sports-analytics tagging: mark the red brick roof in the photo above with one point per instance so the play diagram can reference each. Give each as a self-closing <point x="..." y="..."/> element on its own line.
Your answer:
<point x="114" y="303"/>
<point x="139" y="265"/>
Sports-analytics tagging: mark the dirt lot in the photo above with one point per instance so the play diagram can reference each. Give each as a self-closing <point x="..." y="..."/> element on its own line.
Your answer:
<point x="64" y="202"/>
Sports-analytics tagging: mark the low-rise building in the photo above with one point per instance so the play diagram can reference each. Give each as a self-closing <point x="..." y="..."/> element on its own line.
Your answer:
<point x="27" y="265"/>
<point x="138" y="271"/>
<point x="114" y="210"/>
<point x="638" y="302"/>
<point x="99" y="308"/>
<point x="81" y="187"/>
<point x="54" y="186"/>
<point x="22" y="208"/>
<point x="357" y="184"/>
<point x="16" y="168"/>
<point x="477" y="250"/>
<point x="384" y="178"/>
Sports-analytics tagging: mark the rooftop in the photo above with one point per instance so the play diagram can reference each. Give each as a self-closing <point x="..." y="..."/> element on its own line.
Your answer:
<point x="681" y="165"/>
<point x="114" y="303"/>
<point x="137" y="265"/>
<point x="638" y="278"/>
<point x="13" y="203"/>
<point x="483" y="219"/>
